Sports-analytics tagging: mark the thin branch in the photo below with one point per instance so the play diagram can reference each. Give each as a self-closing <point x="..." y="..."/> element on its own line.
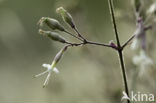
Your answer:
<point x="74" y="44"/>
<point x="85" y="41"/>
<point x="113" y="21"/>
<point x="127" y="42"/>
<point x="79" y="34"/>
<point x="124" y="74"/>
<point x="101" y="44"/>
<point x="72" y="35"/>
<point x="91" y="43"/>
<point x="119" y="49"/>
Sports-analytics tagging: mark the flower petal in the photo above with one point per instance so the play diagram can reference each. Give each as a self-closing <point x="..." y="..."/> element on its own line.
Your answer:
<point x="46" y="65"/>
<point x="40" y="74"/>
<point x="56" y="70"/>
<point x="47" y="80"/>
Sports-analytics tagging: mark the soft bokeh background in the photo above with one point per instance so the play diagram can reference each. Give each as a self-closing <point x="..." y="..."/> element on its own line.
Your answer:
<point x="88" y="74"/>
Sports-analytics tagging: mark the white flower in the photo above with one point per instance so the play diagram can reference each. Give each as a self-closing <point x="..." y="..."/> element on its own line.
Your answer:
<point x="50" y="68"/>
<point x="143" y="61"/>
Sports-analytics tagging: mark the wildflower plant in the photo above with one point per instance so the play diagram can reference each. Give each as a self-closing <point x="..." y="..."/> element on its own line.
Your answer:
<point x="55" y="26"/>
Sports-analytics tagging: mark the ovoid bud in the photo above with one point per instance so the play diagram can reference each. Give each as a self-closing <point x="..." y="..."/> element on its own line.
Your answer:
<point x="52" y="23"/>
<point x="66" y="16"/>
<point x="53" y="35"/>
<point x="60" y="54"/>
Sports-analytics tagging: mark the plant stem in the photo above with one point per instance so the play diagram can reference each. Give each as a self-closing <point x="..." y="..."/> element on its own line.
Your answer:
<point x="91" y="43"/>
<point x="128" y="41"/>
<point x="124" y="73"/>
<point x="79" y="34"/>
<point x="114" y="22"/>
<point x="120" y="49"/>
<point x="73" y="35"/>
<point x="101" y="44"/>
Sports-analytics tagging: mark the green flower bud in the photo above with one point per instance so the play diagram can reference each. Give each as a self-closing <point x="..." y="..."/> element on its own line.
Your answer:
<point x="53" y="35"/>
<point x="59" y="55"/>
<point x="66" y="16"/>
<point x="52" y="23"/>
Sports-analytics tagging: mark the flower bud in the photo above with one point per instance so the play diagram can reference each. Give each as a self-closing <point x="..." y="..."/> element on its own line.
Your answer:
<point x="59" y="55"/>
<point x="112" y="44"/>
<point x="53" y="35"/>
<point x="52" y="23"/>
<point x="66" y="16"/>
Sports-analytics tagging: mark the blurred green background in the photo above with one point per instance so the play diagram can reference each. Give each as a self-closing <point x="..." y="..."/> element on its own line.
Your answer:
<point x="88" y="74"/>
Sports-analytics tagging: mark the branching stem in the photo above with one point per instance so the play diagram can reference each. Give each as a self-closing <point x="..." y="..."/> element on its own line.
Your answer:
<point x="114" y="22"/>
<point x="91" y="43"/>
<point x="73" y="35"/>
<point x="120" y="49"/>
<point x="127" y="42"/>
<point x="79" y="34"/>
